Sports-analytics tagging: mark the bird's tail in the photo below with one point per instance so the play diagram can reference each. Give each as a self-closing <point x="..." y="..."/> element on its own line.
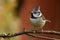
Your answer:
<point x="48" y="21"/>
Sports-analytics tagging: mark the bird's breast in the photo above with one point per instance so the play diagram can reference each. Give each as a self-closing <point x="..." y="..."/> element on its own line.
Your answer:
<point x="34" y="20"/>
<point x="37" y="22"/>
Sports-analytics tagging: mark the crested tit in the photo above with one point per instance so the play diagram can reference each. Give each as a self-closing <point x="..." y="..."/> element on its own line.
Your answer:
<point x="37" y="18"/>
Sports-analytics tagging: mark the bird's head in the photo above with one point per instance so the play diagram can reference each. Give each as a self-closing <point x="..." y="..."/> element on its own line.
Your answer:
<point x="36" y="12"/>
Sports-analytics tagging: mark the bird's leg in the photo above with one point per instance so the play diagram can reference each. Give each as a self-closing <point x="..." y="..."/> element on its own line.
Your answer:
<point x="40" y="29"/>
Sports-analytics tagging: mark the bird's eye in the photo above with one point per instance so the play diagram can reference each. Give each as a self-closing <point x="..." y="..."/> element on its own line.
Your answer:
<point x="38" y="12"/>
<point x="35" y="13"/>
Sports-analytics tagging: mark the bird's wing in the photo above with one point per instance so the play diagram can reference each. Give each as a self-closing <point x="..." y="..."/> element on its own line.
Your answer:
<point x="43" y="16"/>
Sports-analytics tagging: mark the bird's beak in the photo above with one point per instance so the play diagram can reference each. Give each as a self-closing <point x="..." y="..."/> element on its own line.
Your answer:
<point x="48" y="21"/>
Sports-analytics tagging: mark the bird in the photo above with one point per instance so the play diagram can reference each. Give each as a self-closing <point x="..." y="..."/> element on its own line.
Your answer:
<point x="37" y="19"/>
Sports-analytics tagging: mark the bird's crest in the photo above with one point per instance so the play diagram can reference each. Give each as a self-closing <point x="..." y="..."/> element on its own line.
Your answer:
<point x="36" y="9"/>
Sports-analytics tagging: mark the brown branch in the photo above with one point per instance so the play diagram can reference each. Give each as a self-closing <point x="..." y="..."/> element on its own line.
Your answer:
<point x="42" y="32"/>
<point x="32" y="32"/>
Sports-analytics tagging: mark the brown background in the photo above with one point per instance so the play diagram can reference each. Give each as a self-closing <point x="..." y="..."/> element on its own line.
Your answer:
<point x="50" y="9"/>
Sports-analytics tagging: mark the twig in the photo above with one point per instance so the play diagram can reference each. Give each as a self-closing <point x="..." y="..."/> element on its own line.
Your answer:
<point x="43" y="32"/>
<point x="44" y="37"/>
<point x="32" y="32"/>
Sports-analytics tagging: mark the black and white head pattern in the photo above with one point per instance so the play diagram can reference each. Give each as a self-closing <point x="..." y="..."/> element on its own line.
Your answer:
<point x="36" y="12"/>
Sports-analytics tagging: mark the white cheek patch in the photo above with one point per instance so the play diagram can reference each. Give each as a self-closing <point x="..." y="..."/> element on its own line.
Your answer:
<point x="37" y="15"/>
<point x="40" y="15"/>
